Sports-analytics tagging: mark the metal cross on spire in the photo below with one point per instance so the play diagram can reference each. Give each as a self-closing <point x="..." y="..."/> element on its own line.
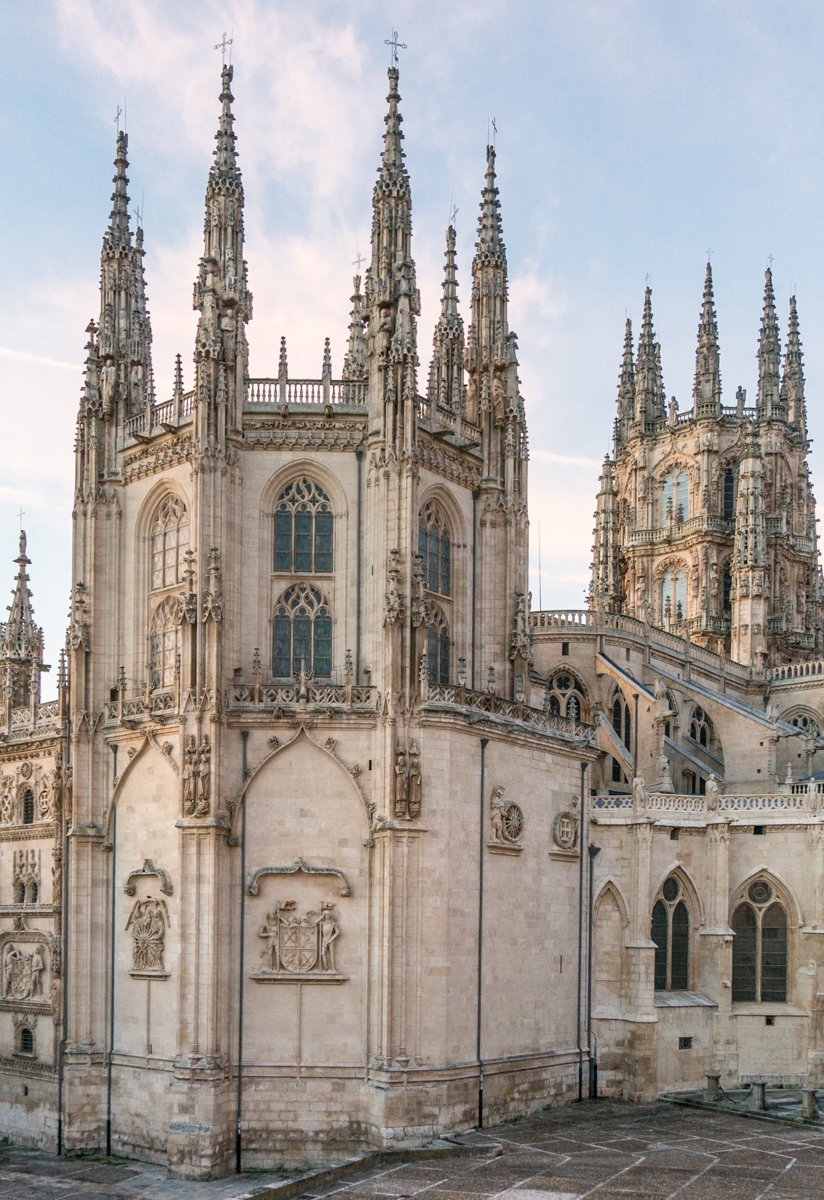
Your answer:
<point x="709" y="255"/>
<point x="453" y="212"/>
<point x="358" y="260"/>
<point x="117" y="117"/>
<point x="494" y="132"/>
<point x="769" y="261"/>
<point x="396" y="46"/>
<point x="222" y="46"/>
<point x="21" y="515"/>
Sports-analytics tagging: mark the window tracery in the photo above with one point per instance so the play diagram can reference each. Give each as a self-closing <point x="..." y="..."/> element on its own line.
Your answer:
<point x="673" y="597"/>
<point x="435" y="549"/>
<point x="564" y="697"/>
<point x="759" y="948"/>
<point x="170" y="541"/>
<point x="671" y="934"/>
<point x="303" y="529"/>
<point x="165" y="643"/>
<point x="301" y="633"/>
<point x="804" y="721"/>
<point x="675" y="504"/>
<point x="701" y="729"/>
<point x="437" y="646"/>
<point x="621" y="719"/>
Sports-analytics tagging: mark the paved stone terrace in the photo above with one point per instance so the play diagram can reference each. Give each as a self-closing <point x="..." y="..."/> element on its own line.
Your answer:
<point x="604" y="1149"/>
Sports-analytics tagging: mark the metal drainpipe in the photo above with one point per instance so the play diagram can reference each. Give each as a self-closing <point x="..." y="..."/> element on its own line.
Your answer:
<point x="244" y="733"/>
<point x="484" y="744"/>
<point x="635" y="698"/>
<point x="475" y="495"/>
<point x="359" y="457"/>
<point x="593" y="1065"/>
<point x="65" y="960"/>
<point x="581" y="936"/>
<point x="111" y="966"/>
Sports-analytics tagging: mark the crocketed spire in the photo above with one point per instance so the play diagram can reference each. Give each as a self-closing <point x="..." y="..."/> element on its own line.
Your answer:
<point x="626" y="382"/>
<point x="446" y="387"/>
<point x="769" y="357"/>
<point x="792" y="384"/>
<point x="224" y="169"/>
<point x="119" y="231"/>
<point x="22" y="641"/>
<point x="490" y="245"/>
<point x="354" y="362"/>
<point x="649" y="387"/>
<point x="706" y="392"/>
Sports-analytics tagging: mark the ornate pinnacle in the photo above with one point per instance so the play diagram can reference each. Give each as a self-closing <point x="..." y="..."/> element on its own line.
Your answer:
<point x="354" y="363"/>
<point x="707" y="386"/>
<point x="119" y="231"/>
<point x="283" y="366"/>
<point x="490" y="244"/>
<point x="649" y="388"/>
<point x="769" y="354"/>
<point x="792" y="385"/>
<point x="626" y="382"/>
<point x="326" y="373"/>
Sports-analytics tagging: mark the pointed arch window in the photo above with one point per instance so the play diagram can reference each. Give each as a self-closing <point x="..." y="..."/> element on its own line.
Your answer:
<point x="759" y="948"/>
<point x="165" y="643"/>
<point x="435" y="549"/>
<point x="564" y="696"/>
<point x="170" y="541"/>
<point x="437" y="647"/>
<point x="727" y="590"/>
<point x="303" y="529"/>
<point x="301" y="633"/>
<point x="730" y="491"/>
<point x="675" y="499"/>
<point x="28" y="807"/>
<point x="671" y="934"/>
<point x="673" y="597"/>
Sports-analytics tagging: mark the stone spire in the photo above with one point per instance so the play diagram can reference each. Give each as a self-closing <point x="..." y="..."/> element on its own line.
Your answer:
<point x="491" y="353"/>
<point x="750" y="579"/>
<point x="626" y="390"/>
<point x="769" y="359"/>
<point x="446" y="387"/>
<point x="124" y="347"/>
<point x="706" y="392"/>
<point x="22" y="642"/>
<point x="221" y="294"/>
<point x="649" y="387"/>
<point x="354" y="362"/>
<point x="792" y="384"/>
<point x="605" y="588"/>
<point x="392" y="297"/>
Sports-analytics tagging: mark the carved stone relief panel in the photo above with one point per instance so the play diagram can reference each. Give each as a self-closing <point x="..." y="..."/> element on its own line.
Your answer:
<point x="148" y="922"/>
<point x="297" y="947"/>
<point x="507" y="823"/>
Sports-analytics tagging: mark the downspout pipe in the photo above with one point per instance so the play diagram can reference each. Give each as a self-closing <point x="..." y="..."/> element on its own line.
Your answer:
<point x="593" y="1064"/>
<point x="359" y="457"/>
<point x="475" y="495"/>
<point x="65" y="961"/>
<point x="484" y="744"/>
<point x="111" y="967"/>
<point x="244" y="733"/>
<point x="580" y="938"/>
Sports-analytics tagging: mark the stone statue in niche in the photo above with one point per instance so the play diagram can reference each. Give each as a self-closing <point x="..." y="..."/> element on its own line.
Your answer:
<point x="22" y="973"/>
<point x="414" y="781"/>
<point x="203" y="779"/>
<point x="408" y="783"/>
<point x="296" y="945"/>
<point x="189" y="783"/>
<point x="148" y="921"/>
<point x="401" y="786"/>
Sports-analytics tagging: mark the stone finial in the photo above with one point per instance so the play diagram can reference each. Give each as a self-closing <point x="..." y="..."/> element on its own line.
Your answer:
<point x="706" y="390"/>
<point x="769" y="357"/>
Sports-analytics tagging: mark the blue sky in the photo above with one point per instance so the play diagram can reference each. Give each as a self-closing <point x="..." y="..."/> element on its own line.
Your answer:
<point x="633" y="136"/>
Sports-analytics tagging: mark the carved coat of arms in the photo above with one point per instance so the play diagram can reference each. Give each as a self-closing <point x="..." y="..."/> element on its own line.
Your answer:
<point x="299" y="945"/>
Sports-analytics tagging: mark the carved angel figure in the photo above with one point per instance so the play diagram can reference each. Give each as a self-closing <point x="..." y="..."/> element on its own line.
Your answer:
<point x="147" y="921"/>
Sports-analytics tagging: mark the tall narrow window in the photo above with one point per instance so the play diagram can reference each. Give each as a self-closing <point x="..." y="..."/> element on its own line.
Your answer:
<point x="701" y="730"/>
<point x="437" y="647"/>
<point x="727" y="590"/>
<point x="564" y="696"/>
<point x="301" y="634"/>
<point x="671" y="934"/>
<point x="622" y="720"/>
<point x="435" y="549"/>
<point x="675" y="504"/>
<point x="730" y="489"/>
<point x="170" y="541"/>
<point x="165" y="643"/>
<point x="28" y="807"/>
<point x="303" y="529"/>
<point x="759" y="949"/>
<point x="673" y="598"/>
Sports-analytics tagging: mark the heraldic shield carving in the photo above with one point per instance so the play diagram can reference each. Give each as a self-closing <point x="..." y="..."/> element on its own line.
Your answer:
<point x="299" y="948"/>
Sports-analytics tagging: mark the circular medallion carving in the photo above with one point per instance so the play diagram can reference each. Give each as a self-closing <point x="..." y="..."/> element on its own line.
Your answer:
<point x="670" y="889"/>
<point x="513" y="821"/>
<point x="565" y="831"/>
<point x="25" y="770"/>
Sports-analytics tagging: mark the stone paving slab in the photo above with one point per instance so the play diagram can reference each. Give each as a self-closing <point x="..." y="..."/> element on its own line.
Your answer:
<point x="606" y="1150"/>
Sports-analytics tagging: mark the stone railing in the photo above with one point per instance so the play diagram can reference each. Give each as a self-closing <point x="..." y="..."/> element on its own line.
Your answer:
<point x="152" y="705"/>
<point x="33" y="720"/>
<point x="789" y="671"/>
<point x="298" y="393"/>
<point x="799" y="798"/>
<point x="292" y="695"/>
<point x="168" y="415"/>
<point x="456" y="696"/>
<point x="583" y="620"/>
<point x="436" y="417"/>
<point x="702" y="523"/>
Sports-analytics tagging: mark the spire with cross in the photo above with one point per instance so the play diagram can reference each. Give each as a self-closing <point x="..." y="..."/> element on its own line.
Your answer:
<point x="223" y="45"/>
<point x="396" y="46"/>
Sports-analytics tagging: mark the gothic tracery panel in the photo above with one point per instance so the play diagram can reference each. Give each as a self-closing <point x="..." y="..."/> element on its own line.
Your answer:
<point x="170" y="541"/>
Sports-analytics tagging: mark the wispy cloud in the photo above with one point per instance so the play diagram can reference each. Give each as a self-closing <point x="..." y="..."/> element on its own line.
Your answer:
<point x="573" y="460"/>
<point x="24" y="356"/>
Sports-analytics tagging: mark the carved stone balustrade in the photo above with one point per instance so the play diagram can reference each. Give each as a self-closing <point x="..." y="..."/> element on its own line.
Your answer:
<point x="293" y="698"/>
<point x="457" y="698"/>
